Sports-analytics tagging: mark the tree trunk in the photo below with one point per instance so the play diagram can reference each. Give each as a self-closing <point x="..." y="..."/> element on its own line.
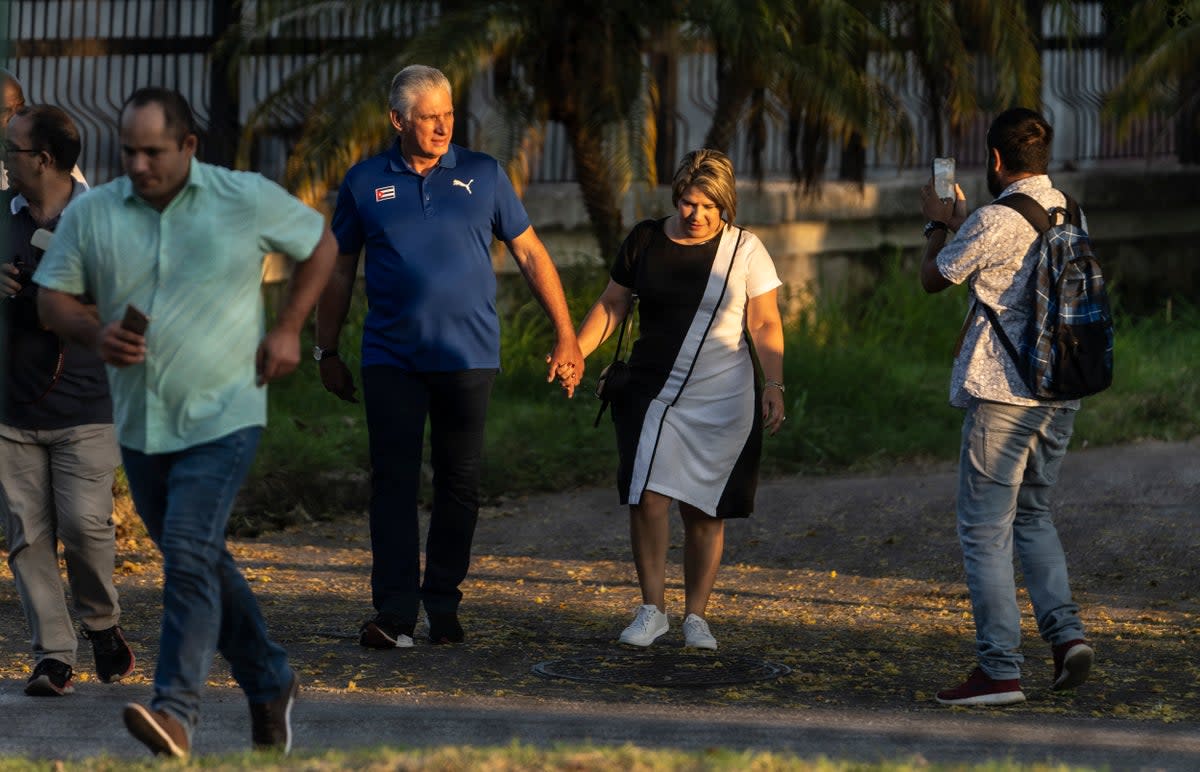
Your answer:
<point x="664" y="68"/>
<point x="854" y="159"/>
<point x="224" y="129"/>
<point x="814" y="144"/>
<point x="596" y="185"/>
<point x="1187" y="127"/>
<point x="733" y="89"/>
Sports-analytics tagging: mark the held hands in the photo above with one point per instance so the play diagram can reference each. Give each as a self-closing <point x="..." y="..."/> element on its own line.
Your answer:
<point x="952" y="211"/>
<point x="336" y="378"/>
<point x="566" y="364"/>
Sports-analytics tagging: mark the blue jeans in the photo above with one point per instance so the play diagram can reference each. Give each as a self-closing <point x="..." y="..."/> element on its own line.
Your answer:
<point x="397" y="403"/>
<point x="1010" y="460"/>
<point x="184" y="498"/>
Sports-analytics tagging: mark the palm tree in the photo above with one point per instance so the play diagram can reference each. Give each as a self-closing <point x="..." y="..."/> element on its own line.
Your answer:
<point x="552" y="60"/>
<point x="832" y="93"/>
<point x="807" y="60"/>
<point x="950" y="43"/>
<point x="1162" y="37"/>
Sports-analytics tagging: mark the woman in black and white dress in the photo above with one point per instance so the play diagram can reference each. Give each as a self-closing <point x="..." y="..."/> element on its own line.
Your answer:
<point x="689" y="425"/>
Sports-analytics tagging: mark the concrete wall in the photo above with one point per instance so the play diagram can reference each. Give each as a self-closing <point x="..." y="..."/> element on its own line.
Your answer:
<point x="1144" y="221"/>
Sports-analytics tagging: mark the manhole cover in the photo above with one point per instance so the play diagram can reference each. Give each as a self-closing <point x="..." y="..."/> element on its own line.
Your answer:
<point x="662" y="669"/>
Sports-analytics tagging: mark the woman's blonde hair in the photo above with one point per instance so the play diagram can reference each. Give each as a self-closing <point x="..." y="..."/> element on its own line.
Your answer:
<point x="712" y="172"/>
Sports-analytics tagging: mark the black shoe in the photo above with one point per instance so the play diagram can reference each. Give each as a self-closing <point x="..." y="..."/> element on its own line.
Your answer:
<point x="114" y="658"/>
<point x="444" y="627"/>
<point x="1072" y="663"/>
<point x="271" y="722"/>
<point x="158" y="730"/>
<point x="50" y="678"/>
<point x="384" y="632"/>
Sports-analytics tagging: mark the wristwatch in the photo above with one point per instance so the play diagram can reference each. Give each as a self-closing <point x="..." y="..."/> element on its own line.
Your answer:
<point x="324" y="353"/>
<point x="935" y="225"/>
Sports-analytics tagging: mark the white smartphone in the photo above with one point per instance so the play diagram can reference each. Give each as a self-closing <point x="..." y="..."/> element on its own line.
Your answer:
<point x="943" y="177"/>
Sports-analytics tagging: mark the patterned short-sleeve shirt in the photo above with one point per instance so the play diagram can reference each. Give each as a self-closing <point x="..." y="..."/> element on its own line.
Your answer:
<point x="995" y="253"/>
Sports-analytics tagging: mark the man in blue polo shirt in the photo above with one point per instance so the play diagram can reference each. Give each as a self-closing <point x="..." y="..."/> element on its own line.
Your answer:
<point x="184" y="241"/>
<point x="426" y="211"/>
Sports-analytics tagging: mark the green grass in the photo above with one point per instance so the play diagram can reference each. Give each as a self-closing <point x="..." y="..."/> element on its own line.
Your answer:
<point x="517" y="757"/>
<point x="867" y="383"/>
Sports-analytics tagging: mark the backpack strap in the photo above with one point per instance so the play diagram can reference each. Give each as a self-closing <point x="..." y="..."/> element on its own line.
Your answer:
<point x="1028" y="207"/>
<point x="1005" y="341"/>
<point x="1035" y="214"/>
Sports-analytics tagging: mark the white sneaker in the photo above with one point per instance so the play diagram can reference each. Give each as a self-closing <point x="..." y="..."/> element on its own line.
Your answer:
<point x="647" y="626"/>
<point x="696" y="634"/>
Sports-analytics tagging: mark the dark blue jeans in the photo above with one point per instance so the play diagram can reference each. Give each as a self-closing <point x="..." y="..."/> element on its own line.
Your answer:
<point x="184" y="498"/>
<point x="397" y="403"/>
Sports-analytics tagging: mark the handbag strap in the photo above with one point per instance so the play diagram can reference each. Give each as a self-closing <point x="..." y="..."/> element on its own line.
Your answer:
<point x="626" y="324"/>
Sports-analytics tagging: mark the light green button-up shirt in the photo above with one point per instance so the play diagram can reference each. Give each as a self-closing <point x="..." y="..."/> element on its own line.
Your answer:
<point x="196" y="270"/>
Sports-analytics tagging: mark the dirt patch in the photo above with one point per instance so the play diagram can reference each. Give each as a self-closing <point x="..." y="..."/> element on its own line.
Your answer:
<point x="854" y="582"/>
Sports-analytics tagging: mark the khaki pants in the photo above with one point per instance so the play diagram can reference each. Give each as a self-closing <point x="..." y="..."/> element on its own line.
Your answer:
<point x="57" y="485"/>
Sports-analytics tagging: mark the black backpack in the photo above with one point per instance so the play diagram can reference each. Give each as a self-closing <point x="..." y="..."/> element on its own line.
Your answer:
<point x="1067" y="349"/>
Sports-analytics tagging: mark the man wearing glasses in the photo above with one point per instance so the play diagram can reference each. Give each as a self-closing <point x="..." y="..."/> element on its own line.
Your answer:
<point x="12" y="99"/>
<point x="57" y="446"/>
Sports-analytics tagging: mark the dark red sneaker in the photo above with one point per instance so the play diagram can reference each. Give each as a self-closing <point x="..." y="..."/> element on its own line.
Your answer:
<point x="982" y="689"/>
<point x="1072" y="663"/>
<point x="114" y="658"/>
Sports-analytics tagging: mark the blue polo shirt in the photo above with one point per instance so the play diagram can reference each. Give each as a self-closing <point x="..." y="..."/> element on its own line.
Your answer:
<point x="431" y="290"/>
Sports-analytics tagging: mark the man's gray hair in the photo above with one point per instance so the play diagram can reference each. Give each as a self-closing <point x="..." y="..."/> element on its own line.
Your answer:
<point x="410" y="83"/>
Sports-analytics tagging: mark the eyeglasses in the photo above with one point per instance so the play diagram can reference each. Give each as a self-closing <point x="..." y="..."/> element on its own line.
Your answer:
<point x="8" y="148"/>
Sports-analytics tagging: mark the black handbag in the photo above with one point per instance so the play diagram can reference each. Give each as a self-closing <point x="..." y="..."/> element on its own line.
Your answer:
<point x="615" y="378"/>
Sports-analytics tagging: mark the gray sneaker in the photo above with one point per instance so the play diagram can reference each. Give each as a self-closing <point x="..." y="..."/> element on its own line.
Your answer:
<point x="696" y="634"/>
<point x="647" y="626"/>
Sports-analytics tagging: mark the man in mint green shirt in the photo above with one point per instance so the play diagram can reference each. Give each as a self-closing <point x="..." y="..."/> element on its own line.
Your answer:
<point x="183" y="241"/>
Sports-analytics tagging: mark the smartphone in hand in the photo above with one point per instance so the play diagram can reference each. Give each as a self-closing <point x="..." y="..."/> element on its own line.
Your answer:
<point x="943" y="177"/>
<point x="135" y="320"/>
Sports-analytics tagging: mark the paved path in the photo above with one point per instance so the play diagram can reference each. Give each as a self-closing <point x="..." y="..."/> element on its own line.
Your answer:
<point x="34" y="728"/>
<point x="1160" y="478"/>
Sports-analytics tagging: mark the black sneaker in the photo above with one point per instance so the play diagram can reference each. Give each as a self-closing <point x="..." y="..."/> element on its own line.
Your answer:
<point x="114" y="658"/>
<point x="158" y="730"/>
<point x="50" y="678"/>
<point x="271" y="722"/>
<point x="444" y="627"/>
<point x="384" y="632"/>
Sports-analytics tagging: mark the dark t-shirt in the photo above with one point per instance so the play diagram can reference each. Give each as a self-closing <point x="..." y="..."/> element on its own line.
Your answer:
<point x="669" y="279"/>
<point x="49" y="384"/>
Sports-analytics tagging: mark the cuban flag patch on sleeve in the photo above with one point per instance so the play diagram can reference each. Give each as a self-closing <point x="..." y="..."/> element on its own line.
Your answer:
<point x="383" y="194"/>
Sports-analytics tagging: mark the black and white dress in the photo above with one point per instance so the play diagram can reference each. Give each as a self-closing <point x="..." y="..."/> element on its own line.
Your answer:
<point x="689" y="426"/>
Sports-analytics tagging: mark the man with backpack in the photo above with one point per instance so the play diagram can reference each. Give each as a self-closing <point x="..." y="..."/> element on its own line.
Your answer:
<point x="1016" y="428"/>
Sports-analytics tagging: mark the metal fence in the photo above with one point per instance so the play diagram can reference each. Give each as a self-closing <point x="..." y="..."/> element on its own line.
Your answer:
<point x="87" y="55"/>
